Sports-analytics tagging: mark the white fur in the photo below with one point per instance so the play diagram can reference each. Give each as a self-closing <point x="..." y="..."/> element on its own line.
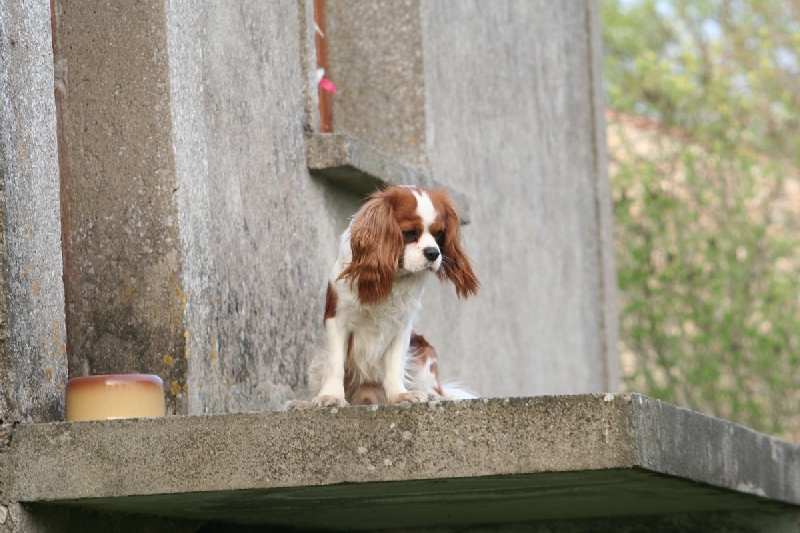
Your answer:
<point x="425" y="208"/>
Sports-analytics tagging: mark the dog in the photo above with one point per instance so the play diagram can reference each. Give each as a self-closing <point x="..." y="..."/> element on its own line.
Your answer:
<point x="397" y="238"/>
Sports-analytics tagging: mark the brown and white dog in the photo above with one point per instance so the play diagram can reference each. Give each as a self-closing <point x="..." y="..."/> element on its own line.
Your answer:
<point x="396" y="239"/>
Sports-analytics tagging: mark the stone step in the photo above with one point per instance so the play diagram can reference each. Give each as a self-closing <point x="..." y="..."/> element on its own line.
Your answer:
<point x="460" y="464"/>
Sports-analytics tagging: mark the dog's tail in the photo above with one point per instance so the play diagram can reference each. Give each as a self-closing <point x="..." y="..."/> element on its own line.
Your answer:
<point x="422" y="373"/>
<point x="453" y="390"/>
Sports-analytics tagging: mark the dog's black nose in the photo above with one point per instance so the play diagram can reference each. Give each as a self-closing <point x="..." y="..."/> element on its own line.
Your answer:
<point x="431" y="253"/>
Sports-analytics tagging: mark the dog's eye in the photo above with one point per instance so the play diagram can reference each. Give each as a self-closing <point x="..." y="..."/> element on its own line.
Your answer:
<point x="410" y="235"/>
<point x="439" y="235"/>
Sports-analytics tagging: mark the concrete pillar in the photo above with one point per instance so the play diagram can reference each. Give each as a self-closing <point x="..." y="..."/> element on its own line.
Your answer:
<point x="196" y="237"/>
<point x="33" y="357"/>
<point x="33" y="362"/>
<point x="257" y="232"/>
<point x="375" y="59"/>
<point x="123" y="261"/>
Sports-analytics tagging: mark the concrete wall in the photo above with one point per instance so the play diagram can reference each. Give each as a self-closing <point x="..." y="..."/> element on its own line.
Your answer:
<point x="376" y="58"/>
<point x="33" y="362"/>
<point x="257" y="231"/>
<point x="33" y="357"/>
<point x="188" y="251"/>
<point x="507" y="100"/>
<point x="197" y="244"/>
<point x="122" y="253"/>
<point x="510" y="100"/>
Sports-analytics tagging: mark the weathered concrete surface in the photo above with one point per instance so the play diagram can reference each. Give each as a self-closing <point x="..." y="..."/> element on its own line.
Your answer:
<point x="198" y="244"/>
<point x="512" y="91"/>
<point x="449" y="463"/>
<point x="711" y="451"/>
<point x="375" y="59"/>
<point x="123" y="260"/>
<point x="257" y="232"/>
<point x="33" y="359"/>
<point x="353" y="165"/>
<point x="357" y="165"/>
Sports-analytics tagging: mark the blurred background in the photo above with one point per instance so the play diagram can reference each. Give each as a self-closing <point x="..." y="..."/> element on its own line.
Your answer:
<point x="703" y="115"/>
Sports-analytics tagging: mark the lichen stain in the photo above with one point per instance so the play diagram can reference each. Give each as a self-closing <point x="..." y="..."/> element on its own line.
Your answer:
<point x="48" y="373"/>
<point x="168" y="359"/>
<point x="212" y="342"/>
<point x="175" y="388"/>
<point x="182" y="298"/>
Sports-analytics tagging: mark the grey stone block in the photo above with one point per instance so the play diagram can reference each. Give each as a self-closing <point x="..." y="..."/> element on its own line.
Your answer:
<point x="456" y="464"/>
<point x="123" y="257"/>
<point x="376" y="60"/>
<point x="33" y="357"/>
<point x="358" y="167"/>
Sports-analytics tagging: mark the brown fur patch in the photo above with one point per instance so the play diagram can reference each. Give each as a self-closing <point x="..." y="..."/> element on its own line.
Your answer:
<point x="366" y="394"/>
<point x="376" y="240"/>
<point x="330" y="303"/>
<point x="456" y="266"/>
<point x="422" y="353"/>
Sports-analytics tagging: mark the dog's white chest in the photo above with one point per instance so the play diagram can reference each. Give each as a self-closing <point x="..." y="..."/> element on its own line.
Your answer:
<point x="373" y="328"/>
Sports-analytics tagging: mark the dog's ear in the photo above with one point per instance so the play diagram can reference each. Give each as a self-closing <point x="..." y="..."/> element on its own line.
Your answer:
<point x="456" y="266"/>
<point x="377" y="244"/>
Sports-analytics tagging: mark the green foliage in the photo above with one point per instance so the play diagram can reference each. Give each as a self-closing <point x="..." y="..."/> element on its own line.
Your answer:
<point x="706" y="232"/>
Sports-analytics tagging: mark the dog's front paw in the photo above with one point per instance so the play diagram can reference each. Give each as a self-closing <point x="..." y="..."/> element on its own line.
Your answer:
<point x="328" y="400"/>
<point x="298" y="404"/>
<point x="409" y="397"/>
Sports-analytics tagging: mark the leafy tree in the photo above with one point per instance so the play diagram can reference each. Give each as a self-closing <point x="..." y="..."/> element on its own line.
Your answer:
<point x="704" y="142"/>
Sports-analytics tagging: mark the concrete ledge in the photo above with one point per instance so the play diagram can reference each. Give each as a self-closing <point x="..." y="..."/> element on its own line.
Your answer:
<point x="481" y="461"/>
<point x="359" y="167"/>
